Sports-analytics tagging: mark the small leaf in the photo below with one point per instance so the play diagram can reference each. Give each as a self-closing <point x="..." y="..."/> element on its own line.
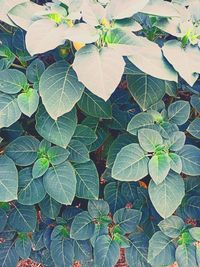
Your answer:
<point x="172" y="226"/>
<point x="195" y="233"/>
<point x="35" y="69"/>
<point x="84" y="134"/>
<point x="40" y="167"/>
<point x="78" y="152"/>
<point x="23" y="218"/>
<point x="50" y="207"/>
<point x="59" y="89"/>
<point x="149" y="139"/>
<point x="98" y="208"/>
<point x="12" y="81"/>
<point x="57" y="155"/>
<point x="60" y="183"/>
<point x="8" y="179"/>
<point x="130" y="164"/>
<point x="28" y="102"/>
<point x="176" y="162"/>
<point x="167" y="196"/>
<point x="23" y="247"/>
<point x="127" y="219"/>
<point x="159" y="166"/>
<point x="190" y="156"/>
<point x="106" y="251"/>
<point x="194" y="128"/>
<point x="82" y="251"/>
<point x="176" y="141"/>
<point x="185" y="255"/>
<point x="58" y="132"/>
<point x="179" y="112"/>
<point x="140" y="120"/>
<point x="23" y="150"/>
<point x="82" y="227"/>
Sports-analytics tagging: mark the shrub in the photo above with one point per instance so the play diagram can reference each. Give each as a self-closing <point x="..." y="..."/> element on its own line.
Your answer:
<point x="100" y="128"/>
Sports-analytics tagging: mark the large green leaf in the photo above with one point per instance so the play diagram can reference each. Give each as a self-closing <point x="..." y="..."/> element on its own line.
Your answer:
<point x="130" y="164"/>
<point x="172" y="226"/>
<point x="28" y="102"/>
<point x="8" y="254"/>
<point x="106" y="251"/>
<point x="8" y="179"/>
<point x="159" y="166"/>
<point x="23" y="218"/>
<point x="12" y="81"/>
<point x="87" y="180"/>
<point x="137" y="252"/>
<point x="190" y="156"/>
<point x="194" y="128"/>
<point x="47" y="34"/>
<point x="105" y="66"/>
<point x="145" y="89"/>
<point x="179" y="112"/>
<point x="184" y="60"/>
<point x="59" y="89"/>
<point x="95" y="106"/>
<point x="60" y="183"/>
<point x="119" y="9"/>
<point x="149" y="139"/>
<point x="62" y="252"/>
<point x="23" y="150"/>
<point x="167" y="196"/>
<point x="161" y="250"/>
<point x="127" y="219"/>
<point x="31" y="191"/>
<point x="9" y="110"/>
<point x="82" y="227"/>
<point x="186" y="255"/>
<point x="58" y="132"/>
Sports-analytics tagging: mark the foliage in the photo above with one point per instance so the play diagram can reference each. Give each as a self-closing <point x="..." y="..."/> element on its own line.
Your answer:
<point x="99" y="132"/>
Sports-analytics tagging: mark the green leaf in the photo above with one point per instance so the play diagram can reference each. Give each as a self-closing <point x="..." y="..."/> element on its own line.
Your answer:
<point x="140" y="120"/>
<point x="87" y="180"/>
<point x="145" y="89"/>
<point x="95" y="106"/>
<point x="78" y="152"/>
<point x="149" y="139"/>
<point x="23" y="150"/>
<point x="28" y="102"/>
<point x="184" y="60"/>
<point x="35" y="69"/>
<point x="179" y="112"/>
<point x="58" y="132"/>
<point x="194" y="128"/>
<point x="60" y="183"/>
<point x="124" y="8"/>
<point x="98" y="208"/>
<point x="8" y="254"/>
<point x="62" y="252"/>
<point x="106" y="251"/>
<point x="23" y="218"/>
<point x="57" y="155"/>
<point x="83" y="251"/>
<point x="59" y="232"/>
<point x="176" y="141"/>
<point x="31" y="191"/>
<point x="171" y="88"/>
<point x="195" y="102"/>
<point x="176" y="162"/>
<point x="50" y="207"/>
<point x="12" y="81"/>
<point x="167" y="196"/>
<point x="127" y="219"/>
<point x="172" y="226"/>
<point x="6" y="57"/>
<point x="138" y="250"/>
<point x="161" y="250"/>
<point x="3" y="219"/>
<point x="190" y="156"/>
<point x="84" y="134"/>
<point x="93" y="65"/>
<point x="47" y="34"/>
<point x="8" y="179"/>
<point x="82" y="227"/>
<point x="130" y="164"/>
<point x="186" y="255"/>
<point x="160" y="8"/>
<point x="195" y="233"/>
<point x="9" y="110"/>
<point x="23" y="247"/>
<point x="121" y="141"/>
<point x="159" y="166"/>
<point x="59" y="89"/>
<point x="40" y="167"/>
